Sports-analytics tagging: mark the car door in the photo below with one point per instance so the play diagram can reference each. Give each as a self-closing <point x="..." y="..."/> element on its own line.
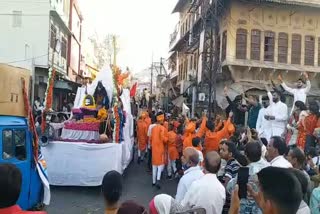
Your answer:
<point x="15" y="150"/>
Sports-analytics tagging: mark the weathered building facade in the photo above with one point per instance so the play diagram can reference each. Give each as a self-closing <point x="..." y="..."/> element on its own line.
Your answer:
<point x="256" y="40"/>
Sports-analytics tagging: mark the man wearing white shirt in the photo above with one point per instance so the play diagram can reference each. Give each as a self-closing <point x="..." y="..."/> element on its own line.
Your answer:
<point x="193" y="172"/>
<point x="207" y="192"/>
<point x="277" y="114"/>
<point x="263" y="126"/>
<point x="276" y="150"/>
<point x="299" y="93"/>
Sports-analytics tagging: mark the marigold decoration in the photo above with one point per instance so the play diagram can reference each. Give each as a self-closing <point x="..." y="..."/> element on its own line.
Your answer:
<point x="118" y="81"/>
<point x="122" y="77"/>
<point x="32" y="125"/>
<point x="116" y="92"/>
<point x="102" y="114"/>
<point x="48" y="97"/>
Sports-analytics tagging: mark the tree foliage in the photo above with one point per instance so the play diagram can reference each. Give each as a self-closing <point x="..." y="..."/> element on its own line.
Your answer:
<point x="103" y="49"/>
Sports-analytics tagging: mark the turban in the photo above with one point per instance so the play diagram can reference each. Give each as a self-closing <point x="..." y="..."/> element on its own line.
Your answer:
<point x="191" y="127"/>
<point x="143" y="115"/>
<point x="160" y="118"/>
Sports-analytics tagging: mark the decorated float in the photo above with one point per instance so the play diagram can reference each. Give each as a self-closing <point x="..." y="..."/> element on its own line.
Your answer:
<point x="97" y="138"/>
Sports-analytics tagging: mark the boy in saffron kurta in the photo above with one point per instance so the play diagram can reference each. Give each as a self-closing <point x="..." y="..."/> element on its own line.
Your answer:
<point x="159" y="137"/>
<point x="213" y="138"/>
<point x="142" y="137"/>
<point x="188" y="134"/>
<point x="148" y="119"/>
<point x="172" y="151"/>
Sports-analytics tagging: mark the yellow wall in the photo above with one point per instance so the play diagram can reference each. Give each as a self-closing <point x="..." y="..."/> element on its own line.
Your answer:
<point x="271" y="17"/>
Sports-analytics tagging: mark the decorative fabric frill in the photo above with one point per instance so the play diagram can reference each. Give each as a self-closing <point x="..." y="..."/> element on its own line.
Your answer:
<point x="82" y="126"/>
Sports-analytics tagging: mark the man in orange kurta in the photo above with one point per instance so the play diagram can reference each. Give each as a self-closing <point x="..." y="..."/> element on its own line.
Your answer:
<point x="148" y="119"/>
<point x="173" y="154"/>
<point x="158" y="139"/>
<point x="189" y="134"/>
<point x="142" y="137"/>
<point x="213" y="138"/>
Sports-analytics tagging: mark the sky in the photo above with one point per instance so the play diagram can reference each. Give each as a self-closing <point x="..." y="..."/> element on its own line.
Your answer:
<point x="143" y="28"/>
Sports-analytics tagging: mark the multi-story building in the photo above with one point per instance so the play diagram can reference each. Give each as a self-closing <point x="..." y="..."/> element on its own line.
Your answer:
<point x="184" y="51"/>
<point x="75" y="39"/>
<point x="257" y="40"/>
<point x="37" y="32"/>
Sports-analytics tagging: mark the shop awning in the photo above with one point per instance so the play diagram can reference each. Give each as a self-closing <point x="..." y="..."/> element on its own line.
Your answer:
<point x="180" y="4"/>
<point x="63" y="85"/>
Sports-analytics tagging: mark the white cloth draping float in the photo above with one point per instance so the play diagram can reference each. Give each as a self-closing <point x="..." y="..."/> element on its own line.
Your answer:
<point x="83" y="163"/>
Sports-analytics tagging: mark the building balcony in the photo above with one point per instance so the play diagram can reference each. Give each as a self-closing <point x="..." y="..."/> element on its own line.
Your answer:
<point x="173" y="74"/>
<point x="175" y="36"/>
<point x="269" y="65"/>
<point x="57" y="18"/>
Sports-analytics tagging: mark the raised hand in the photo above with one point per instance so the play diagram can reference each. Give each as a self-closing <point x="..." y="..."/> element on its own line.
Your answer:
<point x="267" y="88"/>
<point x="305" y="74"/>
<point x="235" y="201"/>
<point x="280" y="78"/>
<point x="230" y="114"/>
<point x="225" y="91"/>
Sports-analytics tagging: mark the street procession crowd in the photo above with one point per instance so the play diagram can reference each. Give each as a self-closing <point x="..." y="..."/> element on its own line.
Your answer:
<point x="266" y="162"/>
<point x="273" y="162"/>
<point x="271" y="165"/>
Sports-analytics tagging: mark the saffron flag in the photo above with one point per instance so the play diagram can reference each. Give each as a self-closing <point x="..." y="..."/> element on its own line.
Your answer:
<point x="133" y="90"/>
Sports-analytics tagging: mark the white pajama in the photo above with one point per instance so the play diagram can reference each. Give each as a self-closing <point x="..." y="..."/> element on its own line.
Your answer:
<point x="171" y="165"/>
<point x="141" y="154"/>
<point x="156" y="173"/>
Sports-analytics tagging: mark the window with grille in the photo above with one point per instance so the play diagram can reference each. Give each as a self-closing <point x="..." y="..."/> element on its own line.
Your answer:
<point x="283" y="48"/>
<point x="296" y="49"/>
<point x="224" y="46"/>
<point x="255" y="44"/>
<point x="14" y="144"/>
<point x="16" y="18"/>
<point x="180" y="71"/>
<point x="64" y="48"/>
<point x="269" y="40"/>
<point x="53" y="33"/>
<point x="241" y="44"/>
<point x="309" y="50"/>
<point x="218" y="46"/>
<point x="319" y="52"/>
<point x="195" y="62"/>
<point x="191" y="62"/>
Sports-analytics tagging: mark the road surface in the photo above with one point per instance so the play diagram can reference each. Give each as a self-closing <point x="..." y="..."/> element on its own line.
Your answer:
<point x="89" y="200"/>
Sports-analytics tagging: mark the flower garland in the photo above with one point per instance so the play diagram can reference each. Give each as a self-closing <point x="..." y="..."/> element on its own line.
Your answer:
<point x="48" y="97"/>
<point x="116" y="98"/>
<point x="32" y="126"/>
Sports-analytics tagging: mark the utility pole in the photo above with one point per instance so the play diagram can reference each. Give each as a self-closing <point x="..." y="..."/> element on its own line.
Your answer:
<point x="216" y="52"/>
<point x="160" y="65"/>
<point x="213" y="33"/>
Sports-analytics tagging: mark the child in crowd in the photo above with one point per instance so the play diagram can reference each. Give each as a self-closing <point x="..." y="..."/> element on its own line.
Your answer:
<point x="173" y="154"/>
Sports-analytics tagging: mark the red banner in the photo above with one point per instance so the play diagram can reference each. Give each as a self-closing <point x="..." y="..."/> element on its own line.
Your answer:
<point x="133" y="90"/>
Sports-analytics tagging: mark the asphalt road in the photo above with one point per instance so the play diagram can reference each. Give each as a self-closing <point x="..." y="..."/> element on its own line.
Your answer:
<point x="89" y="200"/>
